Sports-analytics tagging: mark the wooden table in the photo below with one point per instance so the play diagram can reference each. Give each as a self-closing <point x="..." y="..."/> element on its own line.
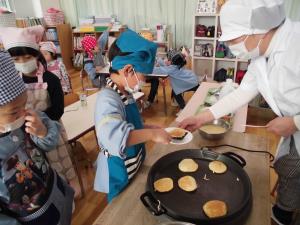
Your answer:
<point x="163" y="77"/>
<point x="79" y="120"/>
<point x="127" y="209"/>
<point x="198" y="98"/>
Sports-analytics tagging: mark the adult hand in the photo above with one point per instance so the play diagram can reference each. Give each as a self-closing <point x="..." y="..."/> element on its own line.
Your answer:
<point x="194" y="122"/>
<point x="283" y="126"/>
<point x="161" y="136"/>
<point x="34" y="124"/>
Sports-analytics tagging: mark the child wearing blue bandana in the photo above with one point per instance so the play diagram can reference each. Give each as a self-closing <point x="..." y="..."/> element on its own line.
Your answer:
<point x="120" y="131"/>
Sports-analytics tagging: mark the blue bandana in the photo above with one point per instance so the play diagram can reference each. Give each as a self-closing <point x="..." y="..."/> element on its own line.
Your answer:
<point x="142" y="52"/>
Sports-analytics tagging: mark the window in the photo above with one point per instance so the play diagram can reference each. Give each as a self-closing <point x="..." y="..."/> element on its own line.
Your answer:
<point x="5" y="4"/>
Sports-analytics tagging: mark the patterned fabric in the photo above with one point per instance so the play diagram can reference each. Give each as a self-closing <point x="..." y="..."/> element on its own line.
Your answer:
<point x="11" y="84"/>
<point x="88" y="44"/>
<point x="171" y="53"/>
<point x="58" y="68"/>
<point x="22" y="37"/>
<point x="113" y="86"/>
<point x="48" y="46"/>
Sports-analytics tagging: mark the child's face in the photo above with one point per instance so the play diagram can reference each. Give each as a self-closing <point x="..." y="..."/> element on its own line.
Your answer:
<point x="47" y="55"/>
<point x="13" y="110"/>
<point x="134" y="80"/>
<point x="23" y="58"/>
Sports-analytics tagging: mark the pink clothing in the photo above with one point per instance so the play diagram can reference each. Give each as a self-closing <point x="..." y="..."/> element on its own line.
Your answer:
<point x="58" y="68"/>
<point x="48" y="46"/>
<point x="21" y="37"/>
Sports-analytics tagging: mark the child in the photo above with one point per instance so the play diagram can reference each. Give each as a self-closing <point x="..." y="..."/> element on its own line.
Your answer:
<point x="31" y="191"/>
<point x="43" y="89"/>
<point x="182" y="80"/>
<point x="94" y="57"/>
<point x="120" y="131"/>
<point x="55" y="66"/>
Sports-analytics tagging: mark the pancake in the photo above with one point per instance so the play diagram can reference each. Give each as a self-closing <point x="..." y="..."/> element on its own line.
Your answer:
<point x="215" y="208"/>
<point x="217" y="167"/>
<point x="187" y="165"/>
<point x="163" y="185"/>
<point x="213" y="129"/>
<point x="187" y="183"/>
<point x="178" y="133"/>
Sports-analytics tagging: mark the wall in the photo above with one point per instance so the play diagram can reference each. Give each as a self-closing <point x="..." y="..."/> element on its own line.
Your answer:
<point x="27" y="8"/>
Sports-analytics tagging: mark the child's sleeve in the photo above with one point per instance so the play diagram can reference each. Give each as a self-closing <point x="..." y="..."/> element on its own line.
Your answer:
<point x="56" y="110"/>
<point x="161" y="70"/>
<point x="6" y="220"/>
<point x="89" y="68"/>
<point x="53" y="131"/>
<point x="102" y="40"/>
<point x="161" y="62"/>
<point x="111" y="125"/>
<point x="65" y="76"/>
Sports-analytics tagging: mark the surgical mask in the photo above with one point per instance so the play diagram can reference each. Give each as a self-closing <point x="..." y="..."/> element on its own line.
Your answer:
<point x="14" y="125"/>
<point x="27" y="67"/>
<point x="240" y="50"/>
<point x="137" y="87"/>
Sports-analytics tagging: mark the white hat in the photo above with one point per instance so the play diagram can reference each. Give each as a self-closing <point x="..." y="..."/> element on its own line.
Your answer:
<point x="246" y="17"/>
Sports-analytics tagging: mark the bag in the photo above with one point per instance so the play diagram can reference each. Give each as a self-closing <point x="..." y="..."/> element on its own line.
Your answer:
<point x="220" y="75"/>
<point x="220" y="50"/>
<point x="53" y="17"/>
<point x="240" y="75"/>
<point x="210" y="31"/>
<point x="201" y="30"/>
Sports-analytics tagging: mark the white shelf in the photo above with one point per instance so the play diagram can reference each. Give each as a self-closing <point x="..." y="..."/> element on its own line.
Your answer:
<point x="204" y="38"/>
<point x="207" y="15"/>
<point x="203" y="58"/>
<point x="226" y="59"/>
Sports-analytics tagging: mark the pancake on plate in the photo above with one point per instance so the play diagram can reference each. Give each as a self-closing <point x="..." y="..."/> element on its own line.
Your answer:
<point x="187" y="183"/>
<point x="163" y="185"/>
<point x="187" y="165"/>
<point x="217" y="167"/>
<point x="215" y="208"/>
<point x="178" y="133"/>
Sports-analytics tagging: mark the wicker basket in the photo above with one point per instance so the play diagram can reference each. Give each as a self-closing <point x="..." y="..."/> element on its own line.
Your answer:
<point x="54" y="17"/>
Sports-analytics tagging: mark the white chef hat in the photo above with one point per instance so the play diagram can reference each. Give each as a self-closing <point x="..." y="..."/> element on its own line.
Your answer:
<point x="246" y="17"/>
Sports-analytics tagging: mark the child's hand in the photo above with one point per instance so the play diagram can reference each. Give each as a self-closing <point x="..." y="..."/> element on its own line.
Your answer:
<point x="34" y="125"/>
<point x="161" y="136"/>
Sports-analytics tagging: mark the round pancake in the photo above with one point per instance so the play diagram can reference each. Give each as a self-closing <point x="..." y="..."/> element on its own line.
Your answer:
<point x="163" y="185"/>
<point x="187" y="183"/>
<point x="215" y="208"/>
<point x="187" y="165"/>
<point x="217" y="167"/>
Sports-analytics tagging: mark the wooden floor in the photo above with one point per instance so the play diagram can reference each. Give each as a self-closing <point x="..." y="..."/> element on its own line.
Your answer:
<point x="89" y="207"/>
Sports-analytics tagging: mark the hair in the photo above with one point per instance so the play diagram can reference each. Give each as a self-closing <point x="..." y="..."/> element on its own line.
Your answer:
<point x="113" y="52"/>
<point x="21" y="51"/>
<point x="178" y="60"/>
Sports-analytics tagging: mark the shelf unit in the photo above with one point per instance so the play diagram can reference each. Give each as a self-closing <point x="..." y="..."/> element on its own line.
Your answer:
<point x="207" y="66"/>
<point x="64" y="40"/>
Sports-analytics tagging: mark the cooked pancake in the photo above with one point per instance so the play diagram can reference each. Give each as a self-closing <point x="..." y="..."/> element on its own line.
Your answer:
<point x="213" y="129"/>
<point x="164" y="184"/>
<point x="215" y="208"/>
<point x="187" y="183"/>
<point x="217" y="167"/>
<point x="187" y="165"/>
<point x="178" y="133"/>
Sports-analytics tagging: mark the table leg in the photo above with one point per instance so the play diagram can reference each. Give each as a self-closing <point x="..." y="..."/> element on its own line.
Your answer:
<point x="76" y="165"/>
<point x="165" y="98"/>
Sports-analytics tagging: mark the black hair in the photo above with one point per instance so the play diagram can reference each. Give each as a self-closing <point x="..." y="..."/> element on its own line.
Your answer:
<point x="21" y="51"/>
<point x="178" y="60"/>
<point x="53" y="55"/>
<point x="113" y="52"/>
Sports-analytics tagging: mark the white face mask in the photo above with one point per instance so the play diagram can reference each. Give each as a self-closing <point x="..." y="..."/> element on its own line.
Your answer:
<point x="13" y="126"/>
<point x="27" y="67"/>
<point x="240" y="50"/>
<point x="137" y="87"/>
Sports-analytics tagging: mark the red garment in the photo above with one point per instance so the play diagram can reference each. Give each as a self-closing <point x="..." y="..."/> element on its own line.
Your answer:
<point x="88" y="44"/>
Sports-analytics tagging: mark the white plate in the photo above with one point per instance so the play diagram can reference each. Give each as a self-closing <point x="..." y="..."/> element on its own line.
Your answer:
<point x="188" y="137"/>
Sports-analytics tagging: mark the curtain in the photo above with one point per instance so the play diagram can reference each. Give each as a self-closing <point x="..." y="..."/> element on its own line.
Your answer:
<point x="137" y="14"/>
<point x="293" y="9"/>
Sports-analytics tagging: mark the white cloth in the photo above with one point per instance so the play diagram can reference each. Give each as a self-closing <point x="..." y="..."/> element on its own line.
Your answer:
<point x="277" y="78"/>
<point x="244" y="17"/>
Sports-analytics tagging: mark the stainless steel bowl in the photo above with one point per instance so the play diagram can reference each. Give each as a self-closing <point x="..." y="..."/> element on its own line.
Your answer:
<point x="175" y="223"/>
<point x="219" y="122"/>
